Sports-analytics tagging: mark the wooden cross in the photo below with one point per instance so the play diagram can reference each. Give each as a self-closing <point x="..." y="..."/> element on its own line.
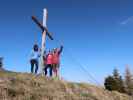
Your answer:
<point x="44" y="32"/>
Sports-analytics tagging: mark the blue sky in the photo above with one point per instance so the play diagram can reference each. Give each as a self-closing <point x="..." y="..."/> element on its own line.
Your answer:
<point x="98" y="33"/>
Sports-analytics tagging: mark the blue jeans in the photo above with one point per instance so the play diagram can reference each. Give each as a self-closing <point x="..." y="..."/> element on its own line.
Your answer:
<point x="34" y="62"/>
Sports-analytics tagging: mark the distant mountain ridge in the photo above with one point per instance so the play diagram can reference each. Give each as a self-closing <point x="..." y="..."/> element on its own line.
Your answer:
<point x="24" y="86"/>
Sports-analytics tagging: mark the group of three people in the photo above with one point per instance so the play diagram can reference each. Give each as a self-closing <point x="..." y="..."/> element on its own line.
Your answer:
<point x="51" y="60"/>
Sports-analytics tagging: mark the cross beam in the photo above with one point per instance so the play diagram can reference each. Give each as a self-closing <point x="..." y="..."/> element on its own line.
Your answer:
<point x="45" y="32"/>
<point x="42" y="27"/>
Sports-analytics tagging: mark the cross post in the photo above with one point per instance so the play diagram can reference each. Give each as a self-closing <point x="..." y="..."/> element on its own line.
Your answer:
<point x="44" y="33"/>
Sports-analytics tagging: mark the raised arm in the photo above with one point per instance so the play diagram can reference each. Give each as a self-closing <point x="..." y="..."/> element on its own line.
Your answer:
<point x="61" y="49"/>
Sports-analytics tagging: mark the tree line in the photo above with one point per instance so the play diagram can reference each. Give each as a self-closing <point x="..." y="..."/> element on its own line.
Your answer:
<point x="117" y="82"/>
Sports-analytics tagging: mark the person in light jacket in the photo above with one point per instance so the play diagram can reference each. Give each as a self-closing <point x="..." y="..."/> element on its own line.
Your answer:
<point x="34" y="58"/>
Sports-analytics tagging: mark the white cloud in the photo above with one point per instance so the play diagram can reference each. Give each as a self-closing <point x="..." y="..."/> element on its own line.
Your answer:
<point x="128" y="20"/>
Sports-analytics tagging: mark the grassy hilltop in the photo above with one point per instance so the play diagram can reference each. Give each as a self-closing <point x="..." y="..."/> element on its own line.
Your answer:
<point x="24" y="86"/>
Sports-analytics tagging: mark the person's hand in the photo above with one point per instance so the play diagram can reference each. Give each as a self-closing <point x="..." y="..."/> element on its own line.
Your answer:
<point x="61" y="46"/>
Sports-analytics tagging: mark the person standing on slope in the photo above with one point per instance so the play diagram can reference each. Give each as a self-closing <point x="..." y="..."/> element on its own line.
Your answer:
<point x="49" y="62"/>
<point x="56" y="60"/>
<point x="34" y="58"/>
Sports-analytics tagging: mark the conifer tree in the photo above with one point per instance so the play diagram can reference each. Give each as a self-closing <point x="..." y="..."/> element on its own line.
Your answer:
<point x="110" y="83"/>
<point x="116" y="77"/>
<point x="115" y="82"/>
<point x="128" y="81"/>
<point x="121" y="85"/>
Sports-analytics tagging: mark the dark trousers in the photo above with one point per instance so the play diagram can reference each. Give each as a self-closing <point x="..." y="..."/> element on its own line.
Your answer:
<point x="48" y="66"/>
<point x="34" y="63"/>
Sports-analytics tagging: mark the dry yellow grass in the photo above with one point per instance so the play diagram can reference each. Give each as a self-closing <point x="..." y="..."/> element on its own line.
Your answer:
<point x="24" y="86"/>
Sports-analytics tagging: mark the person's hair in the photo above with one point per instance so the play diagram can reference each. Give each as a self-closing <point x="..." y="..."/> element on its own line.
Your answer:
<point x="55" y="49"/>
<point x="35" y="47"/>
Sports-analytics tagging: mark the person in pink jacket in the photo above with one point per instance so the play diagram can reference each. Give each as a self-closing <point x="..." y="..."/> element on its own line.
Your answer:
<point x="49" y="62"/>
<point x="56" y="60"/>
